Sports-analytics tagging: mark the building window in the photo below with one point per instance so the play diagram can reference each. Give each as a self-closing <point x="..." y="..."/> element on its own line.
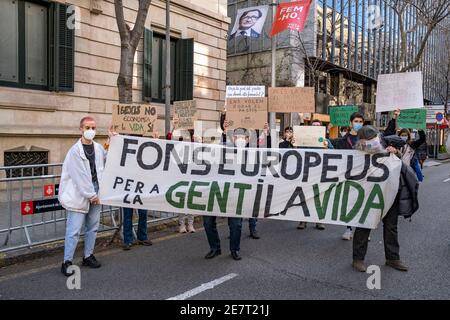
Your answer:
<point x="367" y="94"/>
<point x="159" y="67"/>
<point x="36" y="46"/>
<point x="154" y="64"/>
<point x="22" y="157"/>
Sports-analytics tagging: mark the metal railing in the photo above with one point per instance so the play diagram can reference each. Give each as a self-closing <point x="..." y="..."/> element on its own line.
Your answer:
<point x="30" y="213"/>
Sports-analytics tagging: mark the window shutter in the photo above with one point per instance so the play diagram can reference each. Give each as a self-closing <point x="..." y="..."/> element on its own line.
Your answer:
<point x="147" y="66"/>
<point x="184" y="76"/>
<point x="61" y="49"/>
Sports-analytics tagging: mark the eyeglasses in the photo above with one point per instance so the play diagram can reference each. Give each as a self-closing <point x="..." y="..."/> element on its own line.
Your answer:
<point x="251" y="17"/>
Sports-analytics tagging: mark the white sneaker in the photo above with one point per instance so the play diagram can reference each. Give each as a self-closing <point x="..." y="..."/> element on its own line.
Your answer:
<point x="183" y="228"/>
<point x="190" y="228"/>
<point x="348" y="234"/>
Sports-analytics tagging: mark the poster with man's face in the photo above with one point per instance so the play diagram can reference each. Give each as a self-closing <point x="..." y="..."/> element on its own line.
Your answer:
<point x="249" y="22"/>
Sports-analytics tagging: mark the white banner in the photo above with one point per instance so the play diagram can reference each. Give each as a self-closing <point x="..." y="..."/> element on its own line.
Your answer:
<point x="342" y="187"/>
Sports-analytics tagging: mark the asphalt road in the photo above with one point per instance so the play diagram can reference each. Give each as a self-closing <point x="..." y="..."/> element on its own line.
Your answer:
<point x="285" y="263"/>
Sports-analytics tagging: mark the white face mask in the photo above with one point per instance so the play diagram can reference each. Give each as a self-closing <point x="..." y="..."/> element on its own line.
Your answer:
<point x="89" y="134"/>
<point x="371" y="146"/>
<point x="404" y="138"/>
<point x="241" y="143"/>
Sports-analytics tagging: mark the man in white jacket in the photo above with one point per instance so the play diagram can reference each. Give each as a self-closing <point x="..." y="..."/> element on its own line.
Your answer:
<point x="78" y="194"/>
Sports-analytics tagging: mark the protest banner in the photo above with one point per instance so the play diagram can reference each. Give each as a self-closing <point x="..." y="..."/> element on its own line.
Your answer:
<point x="413" y="119"/>
<point x="137" y="119"/>
<point x="246" y="92"/>
<point x="291" y="15"/>
<point x="291" y="99"/>
<point x="340" y="115"/>
<point x="249" y="113"/>
<point x="185" y="114"/>
<point x="309" y="136"/>
<point x="399" y="90"/>
<point x="249" y="22"/>
<point x="342" y="187"/>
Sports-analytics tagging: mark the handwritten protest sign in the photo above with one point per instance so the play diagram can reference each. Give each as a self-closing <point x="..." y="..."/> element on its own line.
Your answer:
<point x="413" y="118"/>
<point x="137" y="119"/>
<point x="399" y="90"/>
<point x="340" y="115"/>
<point x="249" y="113"/>
<point x="342" y="187"/>
<point x="246" y="91"/>
<point x="292" y="99"/>
<point x="185" y="114"/>
<point x="309" y="136"/>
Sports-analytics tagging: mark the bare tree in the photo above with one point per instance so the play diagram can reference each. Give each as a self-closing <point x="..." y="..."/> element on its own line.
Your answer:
<point x="129" y="40"/>
<point x="429" y="14"/>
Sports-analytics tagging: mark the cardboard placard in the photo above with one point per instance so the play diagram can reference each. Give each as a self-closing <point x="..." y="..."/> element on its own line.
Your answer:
<point x="340" y="115"/>
<point x="136" y="119"/>
<point x="185" y="114"/>
<point x="310" y="136"/>
<point x="413" y="119"/>
<point x="292" y="99"/>
<point x="399" y="90"/>
<point x="249" y="113"/>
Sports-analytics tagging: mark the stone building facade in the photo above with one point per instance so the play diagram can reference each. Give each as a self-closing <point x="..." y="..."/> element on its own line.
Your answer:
<point x="39" y="121"/>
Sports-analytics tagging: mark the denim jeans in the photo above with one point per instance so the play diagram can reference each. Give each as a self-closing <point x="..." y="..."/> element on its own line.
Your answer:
<point x="252" y="224"/>
<point x="74" y="224"/>
<point x="235" y="226"/>
<point x="128" y="225"/>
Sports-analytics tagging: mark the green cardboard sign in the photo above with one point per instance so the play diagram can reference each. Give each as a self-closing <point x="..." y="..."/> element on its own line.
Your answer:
<point x="340" y="115"/>
<point x="413" y="118"/>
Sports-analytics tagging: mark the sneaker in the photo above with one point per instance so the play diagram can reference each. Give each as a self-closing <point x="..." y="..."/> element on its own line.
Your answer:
<point x="64" y="268"/>
<point x="127" y="246"/>
<point x="146" y="243"/>
<point x="301" y="225"/>
<point x="190" y="228"/>
<point x="320" y="226"/>
<point x="235" y="255"/>
<point x="91" y="262"/>
<point x="359" y="265"/>
<point x="213" y="253"/>
<point x="348" y="234"/>
<point x="396" y="264"/>
<point x="182" y="229"/>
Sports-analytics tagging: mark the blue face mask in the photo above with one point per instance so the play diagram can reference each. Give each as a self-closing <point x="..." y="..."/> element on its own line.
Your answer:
<point x="357" y="126"/>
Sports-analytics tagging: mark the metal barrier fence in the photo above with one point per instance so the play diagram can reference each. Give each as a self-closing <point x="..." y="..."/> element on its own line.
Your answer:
<point x="30" y="213"/>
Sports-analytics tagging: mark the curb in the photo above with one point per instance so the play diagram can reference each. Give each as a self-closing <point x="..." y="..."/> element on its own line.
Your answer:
<point x="103" y="243"/>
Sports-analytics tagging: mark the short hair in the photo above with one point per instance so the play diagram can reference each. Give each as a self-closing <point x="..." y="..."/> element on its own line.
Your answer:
<point x="84" y="119"/>
<point x="356" y="115"/>
<point x="288" y="128"/>
<point x="240" y="132"/>
<point x="248" y="11"/>
<point x="317" y="120"/>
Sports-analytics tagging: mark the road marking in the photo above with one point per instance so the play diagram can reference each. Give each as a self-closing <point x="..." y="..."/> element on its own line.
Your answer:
<point x="203" y="287"/>
<point x="447" y="180"/>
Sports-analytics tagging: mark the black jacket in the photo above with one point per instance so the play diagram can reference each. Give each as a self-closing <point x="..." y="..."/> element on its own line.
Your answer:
<point x="407" y="197"/>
